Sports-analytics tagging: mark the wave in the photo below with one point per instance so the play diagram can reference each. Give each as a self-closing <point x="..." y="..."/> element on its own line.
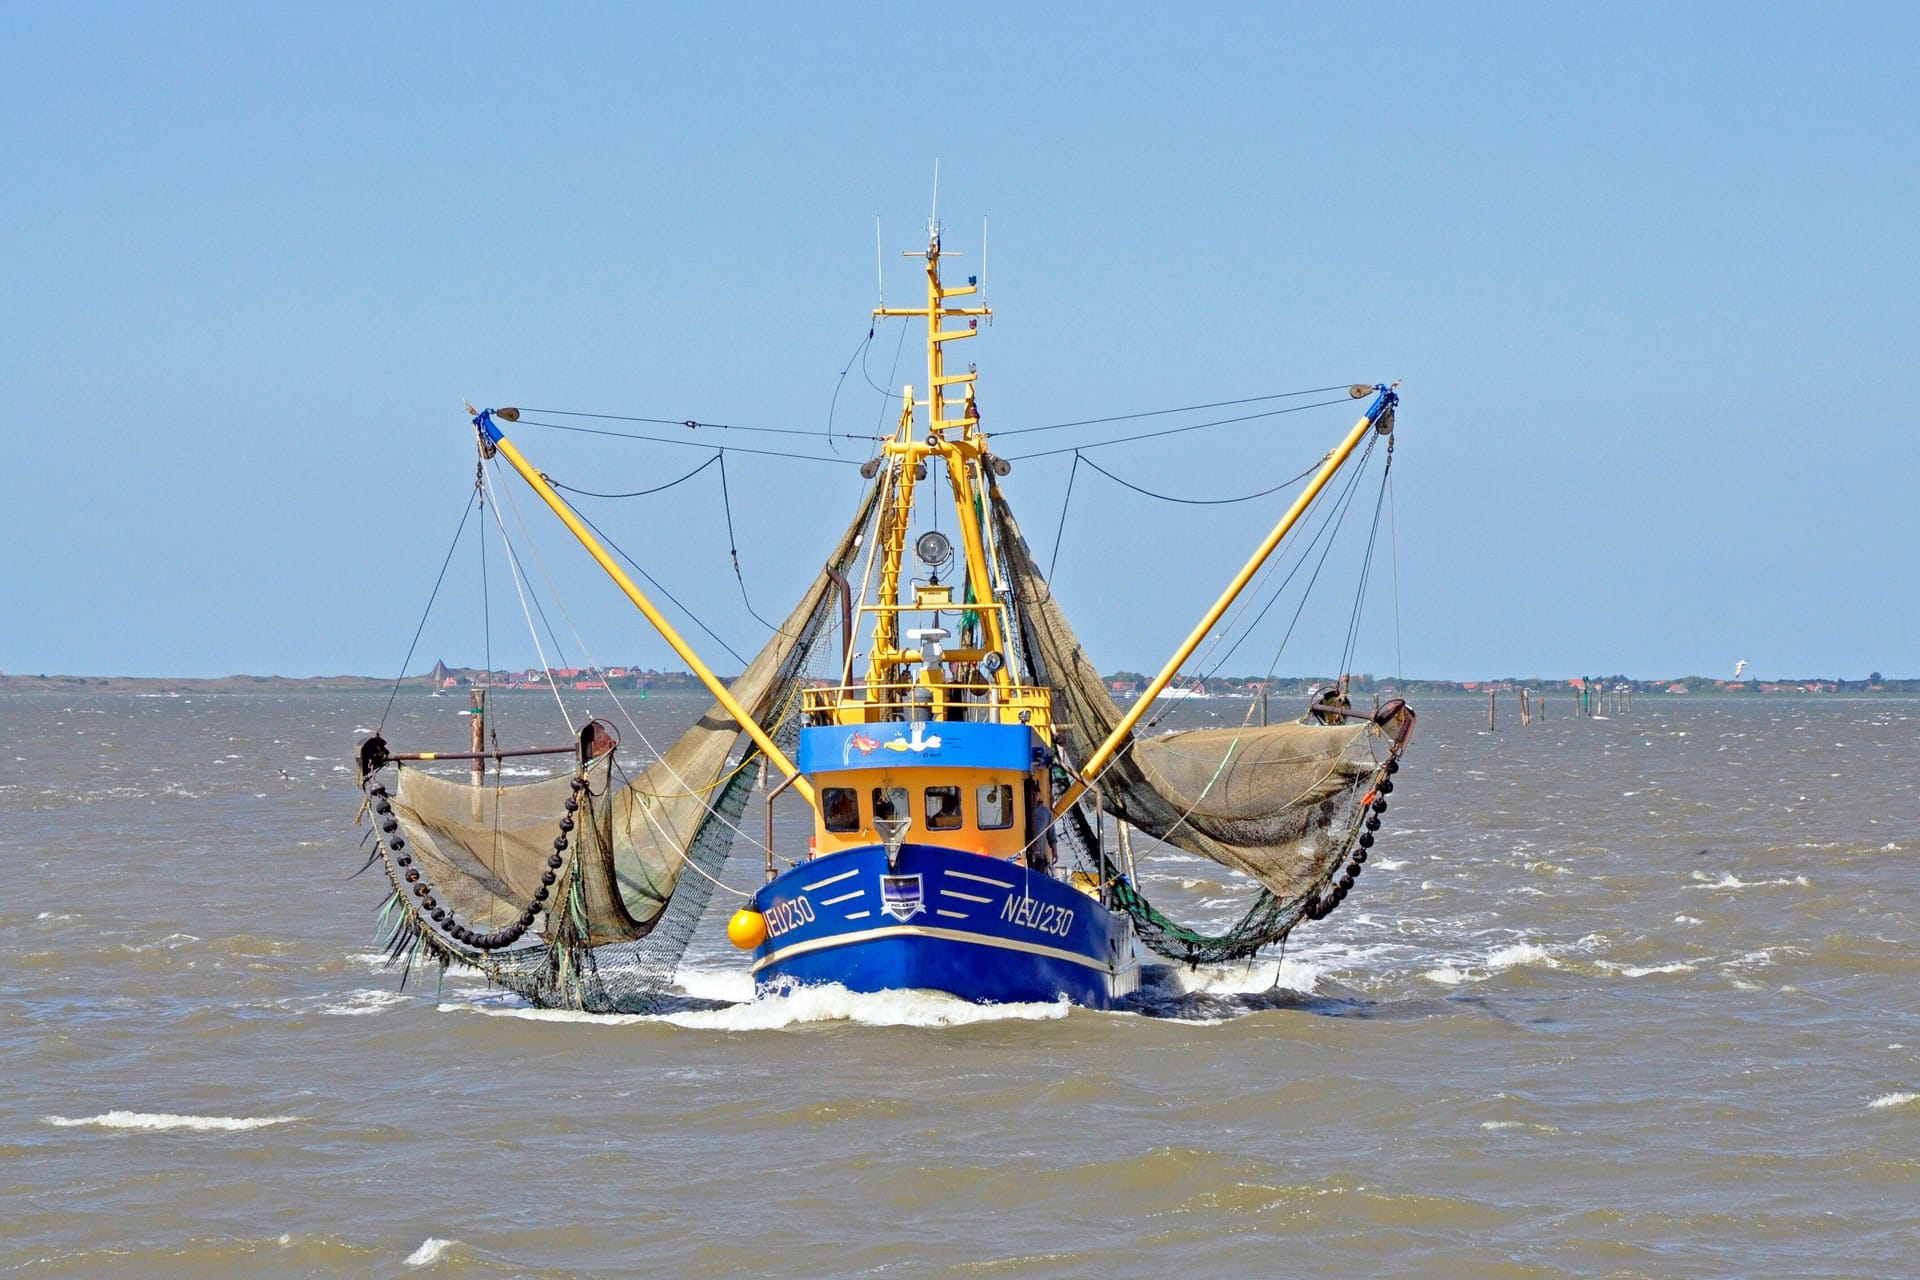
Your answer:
<point x="800" y="1005"/>
<point x="1894" y="1100"/>
<point x="833" y="1003"/>
<point x="1237" y="979"/>
<point x="166" y="1120"/>
<point x="430" y="1251"/>
<point x="1521" y="953"/>
<point x="362" y="1003"/>
<point x="1644" y="970"/>
<point x="1728" y="880"/>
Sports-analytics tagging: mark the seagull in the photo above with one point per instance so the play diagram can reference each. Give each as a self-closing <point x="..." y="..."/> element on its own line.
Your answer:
<point x="1738" y="667"/>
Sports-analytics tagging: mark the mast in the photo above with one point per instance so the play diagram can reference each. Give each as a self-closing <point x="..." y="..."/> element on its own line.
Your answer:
<point x="962" y="448"/>
<point x="493" y="440"/>
<point x="1380" y="414"/>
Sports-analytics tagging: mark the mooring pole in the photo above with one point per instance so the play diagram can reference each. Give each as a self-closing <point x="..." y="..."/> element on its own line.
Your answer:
<point x="477" y="733"/>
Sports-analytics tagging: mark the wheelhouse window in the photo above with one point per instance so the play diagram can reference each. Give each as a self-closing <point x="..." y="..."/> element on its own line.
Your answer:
<point x="995" y="802"/>
<point x="890" y="802"/>
<point x="840" y="808"/>
<point x="943" y="808"/>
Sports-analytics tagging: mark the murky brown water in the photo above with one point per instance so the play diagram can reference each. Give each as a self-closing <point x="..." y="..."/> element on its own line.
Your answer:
<point x="1629" y="997"/>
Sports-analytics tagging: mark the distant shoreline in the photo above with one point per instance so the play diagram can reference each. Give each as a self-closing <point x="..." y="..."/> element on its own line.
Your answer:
<point x="679" y="683"/>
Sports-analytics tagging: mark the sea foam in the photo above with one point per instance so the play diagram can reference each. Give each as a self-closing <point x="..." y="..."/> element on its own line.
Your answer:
<point x="166" y="1120"/>
<point x="430" y="1251"/>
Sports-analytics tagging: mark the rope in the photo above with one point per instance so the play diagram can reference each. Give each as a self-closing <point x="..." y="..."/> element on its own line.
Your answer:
<point x="1062" y="527"/>
<point x="1366" y="568"/>
<point x="691" y="424"/>
<point x="1333" y="524"/>
<point x="1174" y="431"/>
<point x="534" y="548"/>
<point x="1155" y="413"/>
<point x="839" y="382"/>
<point x="655" y="584"/>
<point x="733" y="547"/>
<point x="513" y="570"/>
<point x="898" y="346"/>
<point x="638" y="493"/>
<point x="424" y="613"/>
<point x="1257" y="591"/>
<point x="1393" y="545"/>
<point x="486" y="600"/>
<point x="1196" y="502"/>
<point x="630" y="435"/>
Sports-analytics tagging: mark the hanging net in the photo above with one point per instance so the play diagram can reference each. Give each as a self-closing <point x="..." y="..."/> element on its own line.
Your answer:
<point x="573" y="891"/>
<point x="1285" y="804"/>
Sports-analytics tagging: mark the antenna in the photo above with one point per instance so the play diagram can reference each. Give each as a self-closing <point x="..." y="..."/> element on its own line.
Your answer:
<point x="879" y="271"/>
<point x="983" y="259"/>
<point x="933" y="218"/>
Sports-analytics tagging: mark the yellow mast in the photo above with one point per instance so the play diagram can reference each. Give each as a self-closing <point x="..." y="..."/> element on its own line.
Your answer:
<point x="494" y="440"/>
<point x="963" y="454"/>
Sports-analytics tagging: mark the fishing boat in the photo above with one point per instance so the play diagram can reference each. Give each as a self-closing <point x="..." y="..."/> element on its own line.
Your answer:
<point x="977" y="797"/>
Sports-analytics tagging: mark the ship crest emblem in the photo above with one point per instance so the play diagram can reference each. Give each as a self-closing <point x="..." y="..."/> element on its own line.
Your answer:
<point x="902" y="897"/>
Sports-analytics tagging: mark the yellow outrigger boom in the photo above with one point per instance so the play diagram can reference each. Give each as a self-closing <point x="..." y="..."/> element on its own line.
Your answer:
<point x="493" y="440"/>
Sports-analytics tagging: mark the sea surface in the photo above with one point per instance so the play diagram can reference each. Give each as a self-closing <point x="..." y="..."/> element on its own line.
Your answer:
<point x="1633" y="996"/>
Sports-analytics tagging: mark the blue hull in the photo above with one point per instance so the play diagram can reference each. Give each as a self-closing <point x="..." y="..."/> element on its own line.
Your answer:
<point x="982" y="929"/>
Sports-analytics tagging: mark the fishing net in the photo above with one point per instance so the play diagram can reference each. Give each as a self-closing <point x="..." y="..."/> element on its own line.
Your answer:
<point x="599" y="861"/>
<point x="1282" y="803"/>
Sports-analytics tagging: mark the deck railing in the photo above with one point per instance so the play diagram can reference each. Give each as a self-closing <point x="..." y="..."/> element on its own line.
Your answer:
<point x="863" y="703"/>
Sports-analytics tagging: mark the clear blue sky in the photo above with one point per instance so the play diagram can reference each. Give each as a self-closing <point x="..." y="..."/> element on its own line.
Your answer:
<point x="1649" y="275"/>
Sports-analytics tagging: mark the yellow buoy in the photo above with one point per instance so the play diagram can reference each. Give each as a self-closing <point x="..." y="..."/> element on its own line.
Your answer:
<point x="747" y="929"/>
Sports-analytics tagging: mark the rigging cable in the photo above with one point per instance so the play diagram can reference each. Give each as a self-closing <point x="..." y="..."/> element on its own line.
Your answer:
<point x="425" y="613"/>
<point x="655" y="584"/>
<point x="630" y="435"/>
<point x="691" y="424"/>
<point x="513" y="570"/>
<point x="1173" y="431"/>
<point x="1329" y="526"/>
<point x="840" y="382"/>
<point x="1393" y="545"/>
<point x="1062" y="528"/>
<point x="1366" y="568"/>
<point x="733" y="546"/>
<point x="486" y="601"/>
<point x="1156" y="413"/>
<point x="637" y="493"/>
<point x="1318" y="508"/>
<point x="898" y="346"/>
<point x="1195" y="502"/>
<point x="1346" y="501"/>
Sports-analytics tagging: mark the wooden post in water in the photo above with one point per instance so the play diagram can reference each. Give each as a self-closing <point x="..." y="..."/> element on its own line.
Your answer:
<point x="1489" y="710"/>
<point x="477" y="732"/>
<point x="1263" y="704"/>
